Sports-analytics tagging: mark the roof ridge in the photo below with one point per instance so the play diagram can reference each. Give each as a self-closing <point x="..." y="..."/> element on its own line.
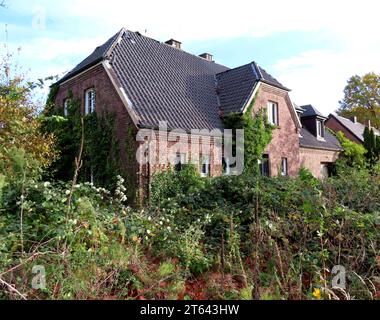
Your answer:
<point x="233" y="69"/>
<point x="180" y="50"/>
<point x="119" y="34"/>
<point x="257" y="67"/>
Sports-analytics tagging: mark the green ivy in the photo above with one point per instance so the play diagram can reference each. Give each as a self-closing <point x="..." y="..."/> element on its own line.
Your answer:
<point x="257" y="135"/>
<point x="101" y="152"/>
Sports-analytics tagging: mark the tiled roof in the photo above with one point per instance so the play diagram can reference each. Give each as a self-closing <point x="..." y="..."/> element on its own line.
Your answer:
<point x="330" y="142"/>
<point x="167" y="84"/>
<point x="310" y="111"/>
<point x="236" y="86"/>
<point x="356" y="128"/>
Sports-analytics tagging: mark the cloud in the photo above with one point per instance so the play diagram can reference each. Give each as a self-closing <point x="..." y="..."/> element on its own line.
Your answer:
<point x="199" y="19"/>
<point x="56" y="36"/>
<point x="318" y="77"/>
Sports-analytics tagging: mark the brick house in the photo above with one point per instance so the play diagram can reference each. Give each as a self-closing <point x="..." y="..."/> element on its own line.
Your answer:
<point x="351" y="128"/>
<point x="145" y="82"/>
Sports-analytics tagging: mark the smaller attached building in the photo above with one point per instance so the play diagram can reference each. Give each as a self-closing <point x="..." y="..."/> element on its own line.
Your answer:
<point x="319" y="149"/>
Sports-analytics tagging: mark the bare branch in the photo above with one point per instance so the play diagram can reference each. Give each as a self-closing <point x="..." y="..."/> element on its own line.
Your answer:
<point x="12" y="289"/>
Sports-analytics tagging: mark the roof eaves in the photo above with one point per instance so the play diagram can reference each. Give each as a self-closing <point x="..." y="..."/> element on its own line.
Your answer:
<point x="77" y="72"/>
<point x="250" y="97"/>
<point x="319" y="148"/>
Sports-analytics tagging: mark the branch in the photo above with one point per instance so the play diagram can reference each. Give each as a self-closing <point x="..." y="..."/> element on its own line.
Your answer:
<point x="78" y="166"/>
<point x="13" y="289"/>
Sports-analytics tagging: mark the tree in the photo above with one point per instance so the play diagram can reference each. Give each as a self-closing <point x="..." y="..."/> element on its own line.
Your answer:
<point x="19" y="123"/>
<point x="362" y="98"/>
<point x="371" y="145"/>
<point x="353" y="153"/>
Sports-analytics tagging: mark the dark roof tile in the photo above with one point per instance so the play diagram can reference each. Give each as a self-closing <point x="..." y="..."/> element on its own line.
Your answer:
<point x="330" y="142"/>
<point x="310" y="111"/>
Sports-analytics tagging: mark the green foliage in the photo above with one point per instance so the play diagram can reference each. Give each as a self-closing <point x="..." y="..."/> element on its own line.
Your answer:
<point x="102" y="248"/>
<point x="371" y="144"/>
<point x="257" y="135"/>
<point x="19" y="125"/>
<point x="353" y="153"/>
<point x="170" y="184"/>
<point x="101" y="147"/>
<point x="362" y="98"/>
<point x="166" y="269"/>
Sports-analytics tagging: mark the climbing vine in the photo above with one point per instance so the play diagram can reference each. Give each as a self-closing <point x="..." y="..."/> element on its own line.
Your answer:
<point x="101" y="153"/>
<point x="257" y="135"/>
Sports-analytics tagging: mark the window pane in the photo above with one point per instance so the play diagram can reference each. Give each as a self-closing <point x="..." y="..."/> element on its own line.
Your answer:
<point x="66" y="107"/>
<point x="270" y="113"/>
<point x="89" y="101"/>
<point x="205" y="166"/>
<point x="264" y="166"/>
<point x="284" y="166"/>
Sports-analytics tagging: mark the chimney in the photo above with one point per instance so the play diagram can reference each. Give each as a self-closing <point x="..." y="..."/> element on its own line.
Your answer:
<point x="368" y="123"/>
<point x="174" y="43"/>
<point x="354" y="119"/>
<point x="206" y="56"/>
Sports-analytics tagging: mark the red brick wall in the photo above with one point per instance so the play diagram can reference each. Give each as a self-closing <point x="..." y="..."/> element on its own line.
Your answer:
<point x="313" y="158"/>
<point x="336" y="126"/>
<point x="285" y="142"/>
<point x="107" y="100"/>
<point x="148" y="170"/>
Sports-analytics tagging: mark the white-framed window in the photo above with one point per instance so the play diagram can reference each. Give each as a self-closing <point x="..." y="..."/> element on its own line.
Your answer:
<point x="319" y="129"/>
<point x="180" y="161"/>
<point x="226" y="166"/>
<point x="272" y="111"/>
<point x="284" y="167"/>
<point x="66" y="104"/>
<point x="205" y="166"/>
<point x="89" y="106"/>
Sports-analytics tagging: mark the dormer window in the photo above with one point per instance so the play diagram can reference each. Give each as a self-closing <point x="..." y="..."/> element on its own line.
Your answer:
<point x="89" y="101"/>
<point x="320" y="131"/>
<point x="272" y="111"/>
